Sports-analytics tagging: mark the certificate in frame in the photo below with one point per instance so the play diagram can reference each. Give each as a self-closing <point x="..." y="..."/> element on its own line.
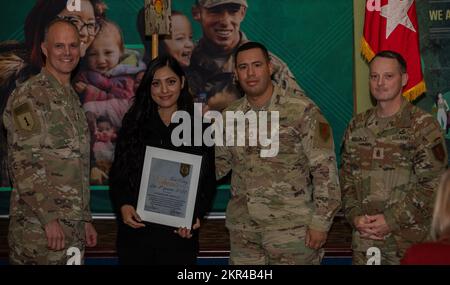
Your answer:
<point x="168" y="187"/>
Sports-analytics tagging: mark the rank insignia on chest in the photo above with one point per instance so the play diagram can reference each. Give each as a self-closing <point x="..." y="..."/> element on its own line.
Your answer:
<point x="24" y="117"/>
<point x="378" y="153"/>
<point x="185" y="169"/>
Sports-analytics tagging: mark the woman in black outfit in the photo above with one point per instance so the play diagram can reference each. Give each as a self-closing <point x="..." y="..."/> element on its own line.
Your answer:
<point x="163" y="91"/>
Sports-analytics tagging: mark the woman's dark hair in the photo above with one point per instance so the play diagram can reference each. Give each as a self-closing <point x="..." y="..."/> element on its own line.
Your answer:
<point x="42" y="13"/>
<point x="143" y="107"/>
<point x="135" y="124"/>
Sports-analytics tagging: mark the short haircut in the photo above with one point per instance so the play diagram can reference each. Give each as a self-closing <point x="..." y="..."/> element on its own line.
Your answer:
<point x="394" y="55"/>
<point x="57" y="21"/>
<point x="251" y="45"/>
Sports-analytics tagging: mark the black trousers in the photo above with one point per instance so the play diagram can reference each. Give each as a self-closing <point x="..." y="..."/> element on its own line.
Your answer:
<point x="155" y="245"/>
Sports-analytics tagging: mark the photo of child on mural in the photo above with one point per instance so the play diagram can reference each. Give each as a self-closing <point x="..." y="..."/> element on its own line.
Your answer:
<point x="106" y="87"/>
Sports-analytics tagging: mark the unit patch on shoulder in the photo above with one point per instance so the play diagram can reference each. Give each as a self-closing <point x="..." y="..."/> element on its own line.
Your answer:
<point x="323" y="135"/>
<point x="25" y="118"/>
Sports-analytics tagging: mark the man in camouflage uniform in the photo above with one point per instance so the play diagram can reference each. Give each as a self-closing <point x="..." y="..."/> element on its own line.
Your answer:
<point x="48" y="156"/>
<point x="283" y="206"/>
<point x="392" y="158"/>
<point x="211" y="73"/>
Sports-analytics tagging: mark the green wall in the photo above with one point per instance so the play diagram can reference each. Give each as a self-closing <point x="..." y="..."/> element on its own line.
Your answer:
<point x="361" y="73"/>
<point x="315" y="38"/>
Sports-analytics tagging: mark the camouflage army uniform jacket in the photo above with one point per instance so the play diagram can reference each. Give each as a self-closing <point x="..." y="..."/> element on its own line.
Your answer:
<point x="212" y="71"/>
<point x="272" y="193"/>
<point x="392" y="167"/>
<point x="48" y="151"/>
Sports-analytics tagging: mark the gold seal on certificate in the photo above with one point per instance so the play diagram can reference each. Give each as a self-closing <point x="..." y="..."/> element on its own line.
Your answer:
<point x="168" y="187"/>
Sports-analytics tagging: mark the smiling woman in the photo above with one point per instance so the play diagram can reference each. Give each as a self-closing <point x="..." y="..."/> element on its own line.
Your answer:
<point x="162" y="92"/>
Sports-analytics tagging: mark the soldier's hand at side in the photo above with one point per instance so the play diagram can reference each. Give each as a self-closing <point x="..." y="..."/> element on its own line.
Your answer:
<point x="91" y="235"/>
<point x="315" y="239"/>
<point x="130" y="217"/>
<point x="55" y="235"/>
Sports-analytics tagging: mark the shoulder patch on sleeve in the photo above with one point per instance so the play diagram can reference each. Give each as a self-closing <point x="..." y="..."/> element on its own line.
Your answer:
<point x="25" y="118"/>
<point x="324" y="130"/>
<point x="323" y="137"/>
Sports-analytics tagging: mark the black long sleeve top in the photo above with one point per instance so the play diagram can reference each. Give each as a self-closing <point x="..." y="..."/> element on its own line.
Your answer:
<point x="157" y="134"/>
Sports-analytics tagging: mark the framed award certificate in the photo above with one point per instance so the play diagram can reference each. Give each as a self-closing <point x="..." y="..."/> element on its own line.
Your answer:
<point x="168" y="187"/>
